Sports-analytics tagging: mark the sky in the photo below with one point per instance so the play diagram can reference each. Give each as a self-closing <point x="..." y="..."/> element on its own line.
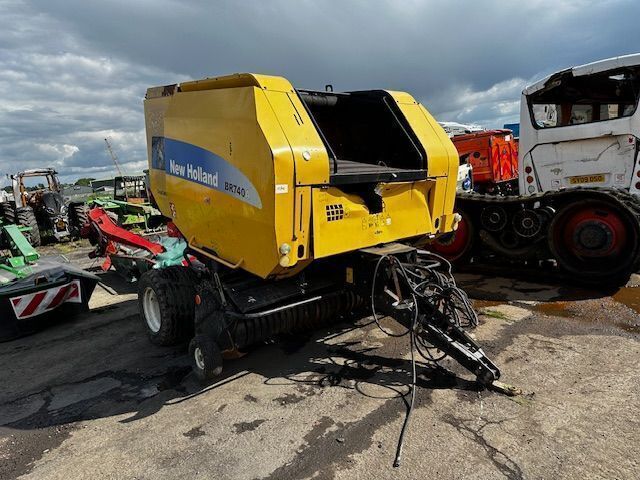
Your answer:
<point x="73" y="72"/>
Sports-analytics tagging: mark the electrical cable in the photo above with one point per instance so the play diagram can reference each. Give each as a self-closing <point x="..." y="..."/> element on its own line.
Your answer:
<point x="373" y="302"/>
<point x="437" y="289"/>
<point x="407" y="418"/>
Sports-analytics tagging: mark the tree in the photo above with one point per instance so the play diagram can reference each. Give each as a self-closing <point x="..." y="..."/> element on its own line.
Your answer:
<point x="84" y="182"/>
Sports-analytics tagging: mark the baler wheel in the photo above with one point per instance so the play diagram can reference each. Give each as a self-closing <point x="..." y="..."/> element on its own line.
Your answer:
<point x="595" y="238"/>
<point x="166" y="303"/>
<point x="26" y="218"/>
<point x="206" y="357"/>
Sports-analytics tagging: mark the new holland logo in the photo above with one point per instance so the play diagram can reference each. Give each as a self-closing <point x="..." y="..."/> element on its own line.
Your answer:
<point x="33" y="304"/>
<point x="201" y="166"/>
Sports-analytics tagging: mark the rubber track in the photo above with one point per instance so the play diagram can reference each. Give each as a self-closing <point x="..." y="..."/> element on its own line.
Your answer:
<point x="562" y="197"/>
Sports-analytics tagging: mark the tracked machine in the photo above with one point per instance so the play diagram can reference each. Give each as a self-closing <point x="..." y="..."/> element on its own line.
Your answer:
<point x="298" y="207"/>
<point x="576" y="207"/>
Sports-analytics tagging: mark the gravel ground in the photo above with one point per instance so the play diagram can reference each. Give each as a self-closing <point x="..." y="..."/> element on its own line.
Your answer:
<point x="91" y="398"/>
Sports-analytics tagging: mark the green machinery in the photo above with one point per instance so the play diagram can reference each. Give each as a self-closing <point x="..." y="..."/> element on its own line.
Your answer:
<point x="130" y="204"/>
<point x="20" y="253"/>
<point x="33" y="287"/>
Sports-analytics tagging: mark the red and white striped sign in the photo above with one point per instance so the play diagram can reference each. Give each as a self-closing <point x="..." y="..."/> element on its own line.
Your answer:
<point x="33" y="304"/>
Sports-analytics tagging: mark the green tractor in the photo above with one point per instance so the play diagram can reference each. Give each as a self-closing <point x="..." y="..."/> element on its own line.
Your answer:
<point x="130" y="205"/>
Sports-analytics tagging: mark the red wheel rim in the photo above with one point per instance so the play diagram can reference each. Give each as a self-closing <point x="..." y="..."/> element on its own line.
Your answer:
<point x="595" y="232"/>
<point x="453" y="245"/>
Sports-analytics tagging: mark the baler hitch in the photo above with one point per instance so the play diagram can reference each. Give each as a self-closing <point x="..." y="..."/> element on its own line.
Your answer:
<point x="417" y="289"/>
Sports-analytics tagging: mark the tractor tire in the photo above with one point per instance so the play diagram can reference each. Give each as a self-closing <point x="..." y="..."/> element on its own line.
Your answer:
<point x="206" y="358"/>
<point x="78" y="218"/>
<point x="8" y="213"/>
<point x="26" y="218"/>
<point x="166" y="302"/>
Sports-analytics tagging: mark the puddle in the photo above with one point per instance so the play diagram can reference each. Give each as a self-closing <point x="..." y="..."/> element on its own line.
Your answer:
<point x="592" y="316"/>
<point x="629" y="296"/>
<point x="478" y="304"/>
<point x="554" y="309"/>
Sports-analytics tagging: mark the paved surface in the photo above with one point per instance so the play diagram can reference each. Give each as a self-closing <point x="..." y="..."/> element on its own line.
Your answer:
<point x="91" y="398"/>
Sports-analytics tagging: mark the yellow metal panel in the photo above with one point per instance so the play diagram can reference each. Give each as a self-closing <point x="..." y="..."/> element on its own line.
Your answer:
<point x="442" y="158"/>
<point x="283" y="171"/>
<point x="342" y="222"/>
<point x="311" y="159"/>
<point x="300" y="255"/>
<point x="154" y="120"/>
<point x="402" y="97"/>
<point x="270" y="82"/>
<point x="448" y="149"/>
<point x="201" y="212"/>
<point x="238" y="80"/>
<point x="256" y="127"/>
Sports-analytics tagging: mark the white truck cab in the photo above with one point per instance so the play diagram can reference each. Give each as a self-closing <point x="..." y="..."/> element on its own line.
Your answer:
<point x="580" y="127"/>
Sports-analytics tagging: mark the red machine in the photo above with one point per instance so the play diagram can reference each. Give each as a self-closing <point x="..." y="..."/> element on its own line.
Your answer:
<point x="109" y="238"/>
<point x="493" y="155"/>
<point x="128" y="253"/>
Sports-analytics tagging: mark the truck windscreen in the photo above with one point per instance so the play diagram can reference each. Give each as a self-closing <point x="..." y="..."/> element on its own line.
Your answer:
<point x="573" y="100"/>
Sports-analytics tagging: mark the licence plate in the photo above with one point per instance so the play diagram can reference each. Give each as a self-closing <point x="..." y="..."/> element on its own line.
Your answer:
<point x="586" y="179"/>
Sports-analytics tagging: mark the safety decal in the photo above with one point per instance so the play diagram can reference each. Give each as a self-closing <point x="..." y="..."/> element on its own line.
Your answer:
<point x="196" y="164"/>
<point x="33" y="304"/>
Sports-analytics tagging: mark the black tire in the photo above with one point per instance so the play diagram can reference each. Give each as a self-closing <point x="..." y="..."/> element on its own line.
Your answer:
<point x="156" y="221"/>
<point x="78" y="217"/>
<point x="25" y="217"/>
<point x="206" y="357"/>
<point x="617" y="234"/>
<point x="166" y="302"/>
<point x="8" y="212"/>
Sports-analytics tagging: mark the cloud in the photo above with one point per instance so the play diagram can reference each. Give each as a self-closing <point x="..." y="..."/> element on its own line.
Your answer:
<point x="493" y="107"/>
<point x="74" y="72"/>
